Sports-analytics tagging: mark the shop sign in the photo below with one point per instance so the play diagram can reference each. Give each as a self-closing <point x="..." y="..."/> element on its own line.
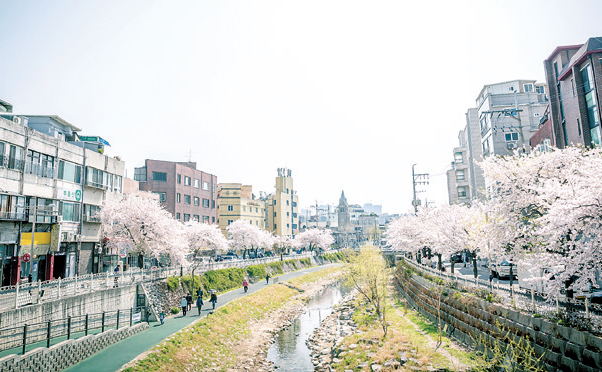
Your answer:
<point x="55" y="237"/>
<point x="69" y="192"/>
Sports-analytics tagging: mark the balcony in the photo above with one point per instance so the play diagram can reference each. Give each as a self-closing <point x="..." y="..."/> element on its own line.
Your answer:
<point x="92" y="219"/>
<point x="98" y="185"/>
<point x="13" y="216"/>
<point x="39" y="170"/>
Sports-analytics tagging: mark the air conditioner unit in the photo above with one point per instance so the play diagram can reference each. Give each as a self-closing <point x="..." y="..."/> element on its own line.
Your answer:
<point x="511" y="145"/>
<point x="59" y="219"/>
<point x="70" y="236"/>
<point x="17" y="120"/>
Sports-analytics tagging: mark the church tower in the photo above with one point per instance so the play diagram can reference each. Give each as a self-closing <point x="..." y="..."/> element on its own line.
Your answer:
<point x="343" y="213"/>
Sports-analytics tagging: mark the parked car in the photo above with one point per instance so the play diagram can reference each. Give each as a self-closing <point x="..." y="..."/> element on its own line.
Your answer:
<point x="502" y="269"/>
<point x="218" y="258"/>
<point x="232" y="255"/>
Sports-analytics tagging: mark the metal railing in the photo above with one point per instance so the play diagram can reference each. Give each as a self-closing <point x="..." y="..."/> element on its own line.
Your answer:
<point x="514" y="296"/>
<point x="21" y="336"/>
<point x="16" y="296"/>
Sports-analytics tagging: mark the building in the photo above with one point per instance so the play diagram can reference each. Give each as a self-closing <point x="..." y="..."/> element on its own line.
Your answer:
<point x="573" y="75"/>
<point x="187" y="193"/>
<point x="509" y="113"/>
<point x="458" y="185"/>
<point x="237" y="201"/>
<point x="281" y="208"/>
<point x="52" y="187"/>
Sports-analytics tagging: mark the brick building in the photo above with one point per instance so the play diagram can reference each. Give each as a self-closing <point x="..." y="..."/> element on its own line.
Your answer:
<point x="184" y="191"/>
<point x="573" y="76"/>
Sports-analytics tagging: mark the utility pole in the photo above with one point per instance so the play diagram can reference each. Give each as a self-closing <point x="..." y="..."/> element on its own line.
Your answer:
<point x="418" y="179"/>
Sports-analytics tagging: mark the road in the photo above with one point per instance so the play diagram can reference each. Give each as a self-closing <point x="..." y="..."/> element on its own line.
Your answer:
<point x="115" y="356"/>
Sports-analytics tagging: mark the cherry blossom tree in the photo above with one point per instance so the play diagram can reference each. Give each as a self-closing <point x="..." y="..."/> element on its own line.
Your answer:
<point x="314" y="238"/>
<point x="203" y="237"/>
<point x="139" y="224"/>
<point x="245" y="236"/>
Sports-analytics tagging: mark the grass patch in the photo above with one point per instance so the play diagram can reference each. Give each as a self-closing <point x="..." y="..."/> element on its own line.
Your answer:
<point x="198" y="348"/>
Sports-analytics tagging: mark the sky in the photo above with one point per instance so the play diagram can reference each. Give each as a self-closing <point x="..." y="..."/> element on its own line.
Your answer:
<point x="347" y="94"/>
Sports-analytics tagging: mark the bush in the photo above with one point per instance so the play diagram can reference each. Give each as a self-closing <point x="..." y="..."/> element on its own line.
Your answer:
<point x="175" y="310"/>
<point x="276" y="266"/>
<point x="186" y="281"/>
<point x="256" y="271"/>
<point x="173" y="283"/>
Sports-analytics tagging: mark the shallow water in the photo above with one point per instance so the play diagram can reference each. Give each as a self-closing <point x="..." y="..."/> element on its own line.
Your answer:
<point x="289" y="352"/>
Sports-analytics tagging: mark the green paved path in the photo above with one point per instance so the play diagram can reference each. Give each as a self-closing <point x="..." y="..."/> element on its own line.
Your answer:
<point x="115" y="356"/>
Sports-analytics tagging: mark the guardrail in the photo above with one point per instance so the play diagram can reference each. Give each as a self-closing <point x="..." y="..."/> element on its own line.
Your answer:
<point x="22" y="336"/>
<point x="14" y="297"/>
<point x="520" y="298"/>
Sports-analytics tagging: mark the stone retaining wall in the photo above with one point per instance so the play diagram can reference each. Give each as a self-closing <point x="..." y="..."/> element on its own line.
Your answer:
<point x="66" y="353"/>
<point x="473" y="319"/>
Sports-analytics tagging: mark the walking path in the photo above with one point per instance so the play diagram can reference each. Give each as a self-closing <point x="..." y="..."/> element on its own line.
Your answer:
<point x="115" y="356"/>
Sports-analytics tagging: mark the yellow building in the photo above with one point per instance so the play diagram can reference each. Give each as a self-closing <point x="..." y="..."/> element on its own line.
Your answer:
<point x="282" y="206"/>
<point x="236" y="201"/>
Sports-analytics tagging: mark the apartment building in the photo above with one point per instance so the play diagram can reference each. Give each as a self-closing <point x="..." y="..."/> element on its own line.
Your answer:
<point x="573" y="74"/>
<point x="186" y="192"/>
<point x="53" y="184"/>
<point x="282" y="206"/>
<point x="237" y="201"/>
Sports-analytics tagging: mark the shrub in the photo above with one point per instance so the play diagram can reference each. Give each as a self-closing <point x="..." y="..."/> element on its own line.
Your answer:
<point x="175" y="310"/>
<point x="172" y="283"/>
<point x="186" y="281"/>
<point x="276" y="266"/>
<point x="256" y="271"/>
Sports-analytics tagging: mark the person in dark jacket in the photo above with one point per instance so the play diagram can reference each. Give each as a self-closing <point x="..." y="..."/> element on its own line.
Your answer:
<point x="213" y="299"/>
<point x="189" y="301"/>
<point x="199" y="304"/>
<point x="267" y="278"/>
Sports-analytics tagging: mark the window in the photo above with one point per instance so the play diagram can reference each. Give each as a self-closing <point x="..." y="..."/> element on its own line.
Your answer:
<point x="70" y="172"/>
<point x="250" y="222"/>
<point x="528" y="87"/>
<point x="178" y="198"/>
<point x="196" y="183"/>
<point x="458" y="158"/>
<point x="461" y="191"/>
<point x="162" y="196"/>
<point x="178" y="216"/>
<point x="230" y="208"/>
<point x="15" y="157"/>
<point x="460" y="175"/>
<point x="212" y="203"/>
<point x="244" y="209"/>
<point x="213" y="187"/>
<point x="287" y="202"/>
<point x="117" y="185"/>
<point x="159" y="176"/>
<point x="579" y="127"/>
<point x="591" y="104"/>
<point x="196" y="218"/>
<point x="186" y="181"/>
<point x="206" y="219"/>
<point x="230" y="221"/>
<point x="69" y="211"/>
<point x="91" y="213"/>
<point x="197" y="201"/>
<point x="12" y="207"/>
<point x="274" y="202"/>
<point x="212" y="219"/>
<point x="39" y="164"/>
<point x="205" y="185"/>
<point x="257" y="222"/>
<point x="287" y="214"/>
<point x="186" y="199"/>
<point x="288" y="225"/>
<point x="274" y="214"/>
<point x="179" y="177"/>
<point x="540" y="90"/>
<point x="140" y="174"/>
<point x="287" y="191"/>
<point x="573" y="86"/>
<point x="96" y="178"/>
<point x="511" y="136"/>
<point x="275" y="226"/>
<point x="186" y="217"/>
<point x="256" y="210"/>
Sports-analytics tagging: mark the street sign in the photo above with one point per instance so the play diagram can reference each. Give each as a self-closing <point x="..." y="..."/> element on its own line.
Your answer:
<point x="123" y="255"/>
<point x="26" y="257"/>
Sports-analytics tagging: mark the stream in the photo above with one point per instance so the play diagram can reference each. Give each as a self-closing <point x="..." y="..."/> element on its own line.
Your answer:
<point x="289" y="352"/>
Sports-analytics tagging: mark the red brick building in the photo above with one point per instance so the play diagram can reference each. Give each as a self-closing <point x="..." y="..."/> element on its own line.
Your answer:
<point x="574" y="76"/>
<point x="188" y="193"/>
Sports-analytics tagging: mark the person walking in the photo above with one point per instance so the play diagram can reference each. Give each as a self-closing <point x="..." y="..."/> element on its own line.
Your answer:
<point x="245" y="285"/>
<point x="213" y="299"/>
<point x="199" y="304"/>
<point x="184" y="305"/>
<point x="199" y="293"/>
<point x="189" y="301"/>
<point x="267" y="278"/>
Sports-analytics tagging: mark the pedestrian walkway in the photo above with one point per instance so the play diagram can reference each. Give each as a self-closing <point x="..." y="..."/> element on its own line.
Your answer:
<point x="115" y="356"/>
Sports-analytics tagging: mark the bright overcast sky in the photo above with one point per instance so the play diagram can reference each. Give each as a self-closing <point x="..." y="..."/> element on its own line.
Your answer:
<point x="346" y="94"/>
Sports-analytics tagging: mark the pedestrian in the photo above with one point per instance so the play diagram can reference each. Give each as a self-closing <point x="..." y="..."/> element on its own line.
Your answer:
<point x="161" y="317"/>
<point x="213" y="299"/>
<point x="245" y="285"/>
<point x="267" y="278"/>
<point x="189" y="301"/>
<point x="199" y="304"/>
<point x="184" y="305"/>
<point x="116" y="276"/>
<point x="199" y="293"/>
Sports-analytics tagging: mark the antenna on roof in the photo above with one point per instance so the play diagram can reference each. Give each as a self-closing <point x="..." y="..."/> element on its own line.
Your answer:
<point x="190" y="155"/>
